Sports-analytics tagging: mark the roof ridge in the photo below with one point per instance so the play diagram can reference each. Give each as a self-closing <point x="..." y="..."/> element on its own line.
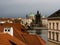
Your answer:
<point x="55" y="14"/>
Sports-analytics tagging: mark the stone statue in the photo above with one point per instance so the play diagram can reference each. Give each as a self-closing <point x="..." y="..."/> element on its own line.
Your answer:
<point x="38" y="19"/>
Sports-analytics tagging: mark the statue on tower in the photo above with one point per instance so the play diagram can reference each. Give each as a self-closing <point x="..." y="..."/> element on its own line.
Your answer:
<point x="38" y="21"/>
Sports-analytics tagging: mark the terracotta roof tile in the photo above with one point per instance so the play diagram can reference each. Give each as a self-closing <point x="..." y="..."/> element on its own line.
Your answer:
<point x="1" y="28"/>
<point x="22" y="36"/>
<point x="33" y="39"/>
<point x="6" y="39"/>
<point x="17" y="29"/>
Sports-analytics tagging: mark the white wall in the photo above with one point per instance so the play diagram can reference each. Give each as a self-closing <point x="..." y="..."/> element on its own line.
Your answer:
<point x="9" y="32"/>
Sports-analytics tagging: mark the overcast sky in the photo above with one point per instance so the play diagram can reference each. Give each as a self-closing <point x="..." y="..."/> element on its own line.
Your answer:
<point x="19" y="8"/>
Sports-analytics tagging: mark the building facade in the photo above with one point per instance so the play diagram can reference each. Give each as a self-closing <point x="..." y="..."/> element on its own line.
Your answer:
<point x="44" y="22"/>
<point x="26" y="22"/>
<point x="54" y="26"/>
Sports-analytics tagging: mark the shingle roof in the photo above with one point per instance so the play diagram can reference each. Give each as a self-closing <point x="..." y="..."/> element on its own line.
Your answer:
<point x="55" y="14"/>
<point x="6" y="39"/>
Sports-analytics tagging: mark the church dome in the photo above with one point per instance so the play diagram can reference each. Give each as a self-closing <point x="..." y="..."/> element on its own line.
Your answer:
<point x="31" y="14"/>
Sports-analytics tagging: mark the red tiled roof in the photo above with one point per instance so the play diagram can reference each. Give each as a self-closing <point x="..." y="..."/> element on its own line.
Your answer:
<point x="33" y="40"/>
<point x="23" y="35"/>
<point x="5" y="19"/>
<point x="6" y="39"/>
<point x="1" y="28"/>
<point x="16" y="27"/>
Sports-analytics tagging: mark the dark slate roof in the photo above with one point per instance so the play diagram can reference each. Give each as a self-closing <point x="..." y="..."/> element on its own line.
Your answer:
<point x="55" y="14"/>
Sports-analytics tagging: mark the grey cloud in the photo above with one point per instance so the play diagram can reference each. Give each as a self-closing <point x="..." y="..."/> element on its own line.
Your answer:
<point x="18" y="8"/>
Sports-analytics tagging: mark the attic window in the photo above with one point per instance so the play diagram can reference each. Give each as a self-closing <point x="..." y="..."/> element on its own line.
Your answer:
<point x="8" y="30"/>
<point x="5" y="30"/>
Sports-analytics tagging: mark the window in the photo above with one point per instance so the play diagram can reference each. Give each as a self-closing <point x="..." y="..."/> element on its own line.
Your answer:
<point x="49" y="34"/>
<point x="49" y="25"/>
<point x="53" y="35"/>
<point x="8" y="30"/>
<point x="57" y="26"/>
<point x="57" y="36"/>
<point x="5" y="30"/>
<point x="53" y="25"/>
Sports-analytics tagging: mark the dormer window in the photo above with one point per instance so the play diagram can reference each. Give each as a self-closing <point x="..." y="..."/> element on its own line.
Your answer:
<point x="8" y="30"/>
<point x="5" y="30"/>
